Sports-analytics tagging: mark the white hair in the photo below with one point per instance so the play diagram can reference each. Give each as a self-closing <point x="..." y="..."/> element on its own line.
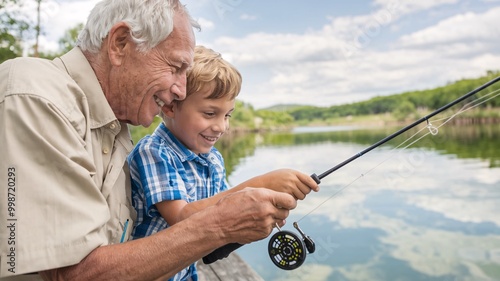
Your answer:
<point x="150" y="22"/>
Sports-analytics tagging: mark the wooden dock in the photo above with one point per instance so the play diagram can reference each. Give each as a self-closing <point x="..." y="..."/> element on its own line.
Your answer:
<point x="232" y="268"/>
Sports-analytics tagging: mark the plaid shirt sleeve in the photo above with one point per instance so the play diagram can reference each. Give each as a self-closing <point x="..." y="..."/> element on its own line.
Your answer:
<point x="157" y="172"/>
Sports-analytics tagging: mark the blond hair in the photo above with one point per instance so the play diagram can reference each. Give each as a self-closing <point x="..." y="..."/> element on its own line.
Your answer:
<point x="210" y="67"/>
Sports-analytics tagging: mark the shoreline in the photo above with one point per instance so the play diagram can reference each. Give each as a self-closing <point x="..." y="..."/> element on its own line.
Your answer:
<point x="364" y="121"/>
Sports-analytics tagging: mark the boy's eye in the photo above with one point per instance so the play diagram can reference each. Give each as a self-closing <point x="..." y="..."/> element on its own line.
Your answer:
<point x="210" y="114"/>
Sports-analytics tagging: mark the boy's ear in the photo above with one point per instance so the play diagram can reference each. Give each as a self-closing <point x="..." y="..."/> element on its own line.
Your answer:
<point x="168" y="110"/>
<point x="118" y="43"/>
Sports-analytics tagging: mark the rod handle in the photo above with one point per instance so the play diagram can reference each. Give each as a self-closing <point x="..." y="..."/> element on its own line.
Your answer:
<point x="220" y="253"/>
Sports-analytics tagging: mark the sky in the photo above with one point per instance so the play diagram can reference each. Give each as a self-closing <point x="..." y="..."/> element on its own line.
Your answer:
<point x="325" y="53"/>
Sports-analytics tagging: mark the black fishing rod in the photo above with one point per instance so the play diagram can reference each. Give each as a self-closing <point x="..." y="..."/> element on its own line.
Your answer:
<point x="390" y="137"/>
<point x="285" y="248"/>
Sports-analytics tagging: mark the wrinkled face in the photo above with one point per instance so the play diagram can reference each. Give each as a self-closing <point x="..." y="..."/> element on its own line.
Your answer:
<point x="144" y="82"/>
<point x="199" y="122"/>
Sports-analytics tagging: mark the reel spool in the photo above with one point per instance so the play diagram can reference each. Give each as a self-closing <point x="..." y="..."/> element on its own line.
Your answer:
<point x="287" y="250"/>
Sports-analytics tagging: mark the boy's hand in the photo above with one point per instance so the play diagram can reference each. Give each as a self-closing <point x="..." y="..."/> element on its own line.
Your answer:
<point x="289" y="181"/>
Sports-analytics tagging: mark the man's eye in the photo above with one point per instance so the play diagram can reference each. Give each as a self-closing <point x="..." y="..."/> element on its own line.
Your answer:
<point x="175" y="68"/>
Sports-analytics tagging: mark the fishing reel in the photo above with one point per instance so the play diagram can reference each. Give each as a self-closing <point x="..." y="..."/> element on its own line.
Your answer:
<point x="287" y="250"/>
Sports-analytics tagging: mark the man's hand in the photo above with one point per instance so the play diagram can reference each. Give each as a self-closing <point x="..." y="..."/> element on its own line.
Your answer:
<point x="250" y="214"/>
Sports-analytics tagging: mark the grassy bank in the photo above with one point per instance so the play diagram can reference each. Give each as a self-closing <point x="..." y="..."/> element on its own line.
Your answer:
<point x="474" y="116"/>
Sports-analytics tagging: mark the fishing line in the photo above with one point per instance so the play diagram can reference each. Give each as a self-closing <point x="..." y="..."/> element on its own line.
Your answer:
<point x="286" y="249"/>
<point x="433" y="130"/>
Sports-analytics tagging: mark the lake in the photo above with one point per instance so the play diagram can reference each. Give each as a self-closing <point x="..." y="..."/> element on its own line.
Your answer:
<point x="427" y="212"/>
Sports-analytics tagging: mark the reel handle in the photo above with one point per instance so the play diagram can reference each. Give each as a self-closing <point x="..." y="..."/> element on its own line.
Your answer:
<point x="310" y="246"/>
<point x="220" y="253"/>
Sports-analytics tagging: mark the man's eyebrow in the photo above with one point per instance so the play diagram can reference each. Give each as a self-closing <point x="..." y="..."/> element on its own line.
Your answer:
<point x="184" y="63"/>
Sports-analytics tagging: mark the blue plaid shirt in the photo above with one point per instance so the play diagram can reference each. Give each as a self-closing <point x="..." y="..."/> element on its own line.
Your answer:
<point x="162" y="168"/>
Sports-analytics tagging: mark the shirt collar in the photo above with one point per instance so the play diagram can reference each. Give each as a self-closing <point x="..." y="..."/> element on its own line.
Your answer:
<point x="82" y="73"/>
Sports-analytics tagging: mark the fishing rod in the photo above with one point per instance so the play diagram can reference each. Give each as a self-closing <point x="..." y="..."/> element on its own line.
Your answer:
<point x="286" y="250"/>
<point x="390" y="137"/>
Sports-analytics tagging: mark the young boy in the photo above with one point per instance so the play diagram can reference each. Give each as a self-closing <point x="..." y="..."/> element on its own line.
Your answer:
<point x="177" y="171"/>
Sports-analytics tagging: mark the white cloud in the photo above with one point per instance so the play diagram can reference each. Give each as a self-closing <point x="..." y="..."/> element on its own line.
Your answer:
<point x="265" y="48"/>
<point x="457" y="208"/>
<point x="310" y="272"/>
<point x="59" y="16"/>
<point x="409" y="6"/>
<point x="205" y="24"/>
<point x="338" y="63"/>
<point x="248" y="17"/>
<point x="462" y="29"/>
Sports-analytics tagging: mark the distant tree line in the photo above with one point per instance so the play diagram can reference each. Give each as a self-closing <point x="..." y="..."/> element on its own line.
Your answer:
<point x="408" y="105"/>
<point x="401" y="105"/>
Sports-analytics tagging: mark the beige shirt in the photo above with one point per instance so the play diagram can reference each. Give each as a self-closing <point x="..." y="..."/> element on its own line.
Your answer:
<point x="65" y="186"/>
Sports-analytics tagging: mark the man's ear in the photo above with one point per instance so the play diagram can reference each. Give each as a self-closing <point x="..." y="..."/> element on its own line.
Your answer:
<point x="118" y="42"/>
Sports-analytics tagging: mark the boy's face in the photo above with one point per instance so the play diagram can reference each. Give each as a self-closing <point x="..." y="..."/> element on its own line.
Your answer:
<point x="199" y="122"/>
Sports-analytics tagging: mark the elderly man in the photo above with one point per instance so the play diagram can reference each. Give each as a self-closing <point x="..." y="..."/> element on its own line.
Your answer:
<point x="65" y="206"/>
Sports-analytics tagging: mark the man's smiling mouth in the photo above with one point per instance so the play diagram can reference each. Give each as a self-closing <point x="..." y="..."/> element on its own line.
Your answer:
<point x="159" y="102"/>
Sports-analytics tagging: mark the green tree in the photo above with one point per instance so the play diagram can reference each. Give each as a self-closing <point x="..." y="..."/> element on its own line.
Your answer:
<point x="68" y="41"/>
<point x="243" y="117"/>
<point x="9" y="47"/>
<point x="12" y="28"/>
<point x="404" y="110"/>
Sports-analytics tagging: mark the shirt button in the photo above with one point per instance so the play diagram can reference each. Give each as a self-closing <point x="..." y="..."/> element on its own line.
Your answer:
<point x="105" y="151"/>
<point x="112" y="126"/>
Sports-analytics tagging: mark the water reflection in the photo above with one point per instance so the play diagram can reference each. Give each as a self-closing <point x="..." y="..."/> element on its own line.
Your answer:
<point x="429" y="212"/>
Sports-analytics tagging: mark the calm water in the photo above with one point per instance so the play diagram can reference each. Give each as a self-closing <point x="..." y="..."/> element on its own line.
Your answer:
<point x="427" y="212"/>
